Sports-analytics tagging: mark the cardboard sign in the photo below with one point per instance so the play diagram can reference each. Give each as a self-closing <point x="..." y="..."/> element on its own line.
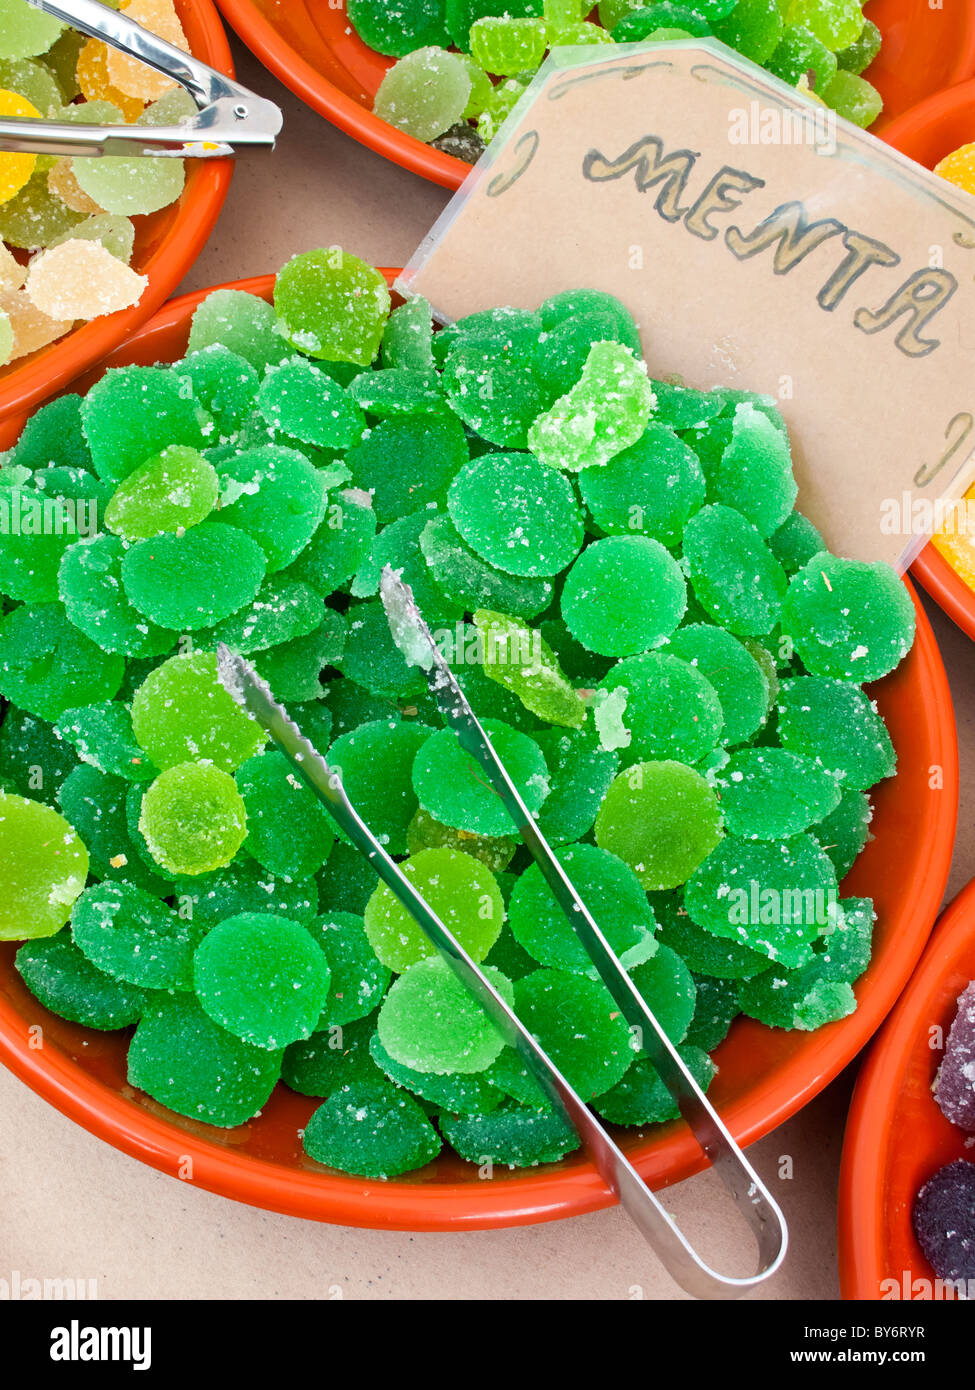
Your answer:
<point x="760" y="243"/>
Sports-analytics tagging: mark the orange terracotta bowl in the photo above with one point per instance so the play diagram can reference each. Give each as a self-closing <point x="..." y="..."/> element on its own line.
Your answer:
<point x="896" y="1137"/>
<point x="166" y="245"/>
<point x="765" y="1075"/>
<point x="926" y="134"/>
<point x="312" y="48"/>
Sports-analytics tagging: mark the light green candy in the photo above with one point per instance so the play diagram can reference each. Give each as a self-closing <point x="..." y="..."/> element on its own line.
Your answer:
<point x="43" y="865"/>
<point x="604" y="413"/>
<point x="174" y="489"/>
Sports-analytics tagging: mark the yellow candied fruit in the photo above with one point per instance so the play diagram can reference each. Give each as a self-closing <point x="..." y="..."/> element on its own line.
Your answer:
<point x="95" y="84"/>
<point x="959" y="167"/>
<point x="15" y="169"/>
<point x="956" y="540"/>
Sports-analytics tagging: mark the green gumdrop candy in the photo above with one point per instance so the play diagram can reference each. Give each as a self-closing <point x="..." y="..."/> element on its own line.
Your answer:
<point x="848" y="620"/>
<point x="845" y="831"/>
<point x="332" y="305"/>
<point x="460" y="889"/>
<point x="177" y="488"/>
<point x="191" y="580"/>
<point x="288" y="830"/>
<point x="613" y="895"/>
<point x="240" y="322"/>
<point x="44" y="866"/>
<point x="330" y="1059"/>
<point x="191" y="1065"/>
<point x="740" y="682"/>
<point x="520" y="660"/>
<point x="646" y="573"/>
<point x="303" y="401"/>
<point x="507" y="46"/>
<point x="470" y="582"/>
<point x="90" y="584"/>
<point x="35" y="532"/>
<point x="755" y="471"/>
<point x="33" y="217"/>
<point x="605" y="412"/>
<point x="245" y="887"/>
<point x="193" y="819"/>
<point x="340" y="544"/>
<point x="408" y="463"/>
<point x="641" y="1098"/>
<point x="429" y="1021"/>
<point x="116" y="234"/>
<point x="799" y="54"/>
<point x="715" y="1011"/>
<point x="667" y="985"/>
<point x="371" y="657"/>
<point x="775" y="896"/>
<point x="375" y="764"/>
<point x="806" y="998"/>
<point x="496" y="851"/>
<point x="95" y="804"/>
<point x="735" y="577"/>
<point x="846" y="952"/>
<point x="66" y="982"/>
<point x="133" y="413"/>
<point x="224" y="383"/>
<point x="644" y="20"/>
<point x="517" y="514"/>
<point x="581" y="772"/>
<point x="35" y="758"/>
<point x="650" y="489"/>
<point x="770" y="793"/>
<point x="397" y="391"/>
<point x="48" y="666"/>
<point x="102" y="735"/>
<point x="672" y="711"/>
<point x="562" y="350"/>
<point x="493" y="386"/>
<point x="710" y="956"/>
<point x="263" y="978"/>
<point x="578" y="1025"/>
<point x="753" y="29"/>
<point x="347" y="881"/>
<point x="450" y="786"/>
<point x="134" y="937"/>
<point x="795" y="542"/>
<point x="274" y="496"/>
<point x="568" y="304"/>
<point x="398" y="30"/>
<point x="514" y="1135"/>
<point x="457" y="1094"/>
<point x="358" y="978"/>
<point x="282" y="609"/>
<point x="293" y="669"/>
<point x="408" y="339"/>
<point x="861" y="53"/>
<point x="836" y="725"/>
<point x="53" y="435"/>
<point x="130" y="187"/>
<point x="26" y="31"/>
<point x="662" y="819"/>
<point x="462" y="14"/>
<point x="181" y="711"/>
<point x="372" y="1131"/>
<point x="425" y="93"/>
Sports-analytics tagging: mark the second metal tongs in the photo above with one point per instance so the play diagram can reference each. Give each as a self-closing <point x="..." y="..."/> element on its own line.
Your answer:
<point x="229" y="117"/>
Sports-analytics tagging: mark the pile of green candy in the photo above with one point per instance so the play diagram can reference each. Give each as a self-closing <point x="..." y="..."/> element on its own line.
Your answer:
<point x="666" y="658"/>
<point x="462" y="64"/>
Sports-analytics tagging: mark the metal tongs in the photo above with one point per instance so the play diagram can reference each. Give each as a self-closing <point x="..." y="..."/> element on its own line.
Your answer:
<point x="229" y="117"/>
<point x="753" y="1200"/>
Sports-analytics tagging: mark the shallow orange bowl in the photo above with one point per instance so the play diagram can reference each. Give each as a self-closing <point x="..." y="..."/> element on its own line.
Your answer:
<point x="166" y="245"/>
<point x="311" y="46"/>
<point x="896" y="1137"/>
<point x="926" y="134"/>
<point x="765" y="1075"/>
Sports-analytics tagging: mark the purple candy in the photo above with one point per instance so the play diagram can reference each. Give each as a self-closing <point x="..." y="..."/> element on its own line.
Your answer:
<point x="944" y="1220"/>
<point x="954" y="1086"/>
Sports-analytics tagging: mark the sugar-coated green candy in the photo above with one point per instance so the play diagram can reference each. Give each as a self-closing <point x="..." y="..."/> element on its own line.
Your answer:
<point x="849" y="620"/>
<point x="398" y="29"/>
<point x="735" y="576"/>
<point x="34" y="216"/>
<point x="133" y="413"/>
<point x="640" y="23"/>
<point x="102" y="735"/>
<point x="461" y="14"/>
<point x="650" y="489"/>
<point x="853" y="98"/>
<point x="116" y="233"/>
<point x="44" y="865"/>
<point x="134" y="937"/>
<point x="568" y="304"/>
<point x="47" y="665"/>
<point x="303" y="401"/>
<point x="66" y="982"/>
<point x="240" y="322"/>
<point x="562" y="350"/>
<point x="35" y="757"/>
<point x="740" y="682"/>
<point x="397" y="391"/>
<point x="682" y="408"/>
<point x="579" y="1026"/>
<point x="517" y="514"/>
<point x="705" y="954"/>
<point x="407" y="463"/>
<point x="332" y="305"/>
<point x="507" y="46"/>
<point x="662" y="819"/>
<point x="372" y="1130"/>
<point x="130" y="187"/>
<point x="504" y="331"/>
<point x="91" y="587"/>
<point x="753" y="28"/>
<point x="191" y="1065"/>
<point x="493" y="387"/>
<point x="715" y="1011"/>
<point x="289" y="832"/>
<point x="193" y="819"/>
<point x="358" y="978"/>
<point x="755" y="471"/>
<point x="408" y="339"/>
<point x="424" y="832"/>
<point x="244" y="887"/>
<point x="35" y="531"/>
<point x="429" y="1021"/>
<point x="371" y="657"/>
<point x="224" y="383"/>
<point x="510" y="958"/>
<point x="805" y="998"/>
<point x="53" y="435"/>
<point x="470" y="582"/>
<point x="347" y="881"/>
<point x="485" y="696"/>
<point x="263" y="978"/>
<point x="181" y="711"/>
<point x="580" y="772"/>
<point x="605" y="412"/>
<point x="459" y="1095"/>
<point x="846" y="952"/>
<point x="795" y="542"/>
<point x="845" y="831"/>
<point x="276" y="497"/>
<point x="641" y="1098"/>
<point x="834" y="723"/>
<point x="95" y="804"/>
<point x="799" y="54"/>
<point x="770" y="793"/>
<point x="33" y="81"/>
<point x="398" y="546"/>
<point x="281" y="610"/>
<point x="134" y="797"/>
<point x="838" y="23"/>
<point x="460" y="889"/>
<point x="293" y="668"/>
<point x="425" y="93"/>
<point x="330" y="1059"/>
<point x="861" y="53"/>
<point x="666" y="983"/>
<point x="646" y="573"/>
<point x="610" y="890"/>
<point x="515" y="1136"/>
<point x="672" y="710"/>
<point x="174" y="489"/>
<point x="375" y="763"/>
<point x="190" y="580"/>
<point x="775" y="896"/>
<point x="513" y="1077"/>
<point x="337" y="548"/>
<point x="76" y="483"/>
<point x="450" y="786"/>
<point x="519" y="658"/>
